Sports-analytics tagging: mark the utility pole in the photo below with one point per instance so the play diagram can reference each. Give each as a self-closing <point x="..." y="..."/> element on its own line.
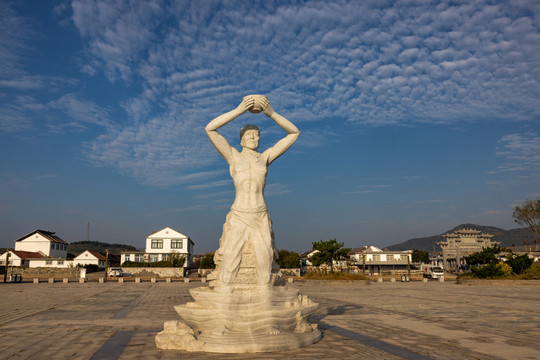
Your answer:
<point x="6" y="270"/>
<point x="363" y="262"/>
<point x="408" y="265"/>
<point x="106" y="264"/>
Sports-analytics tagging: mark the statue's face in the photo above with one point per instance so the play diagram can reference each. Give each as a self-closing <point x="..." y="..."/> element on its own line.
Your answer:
<point x="250" y="140"/>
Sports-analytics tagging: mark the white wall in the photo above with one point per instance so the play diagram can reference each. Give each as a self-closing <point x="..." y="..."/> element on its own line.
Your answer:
<point x="34" y="244"/>
<point x="54" y="263"/>
<point x="87" y="258"/>
<point x="37" y="242"/>
<point x="14" y="260"/>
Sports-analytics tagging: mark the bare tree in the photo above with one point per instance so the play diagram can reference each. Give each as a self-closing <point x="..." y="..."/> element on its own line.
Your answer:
<point x="528" y="215"/>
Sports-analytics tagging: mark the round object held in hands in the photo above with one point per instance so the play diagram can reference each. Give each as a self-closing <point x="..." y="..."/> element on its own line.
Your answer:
<point x="257" y="106"/>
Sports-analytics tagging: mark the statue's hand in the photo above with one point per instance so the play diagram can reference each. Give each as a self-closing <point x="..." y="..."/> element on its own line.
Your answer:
<point x="267" y="108"/>
<point x="246" y="104"/>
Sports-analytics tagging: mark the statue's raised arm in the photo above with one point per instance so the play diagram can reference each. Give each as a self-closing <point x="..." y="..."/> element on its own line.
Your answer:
<point x="254" y="103"/>
<point x="221" y="144"/>
<point x="282" y="145"/>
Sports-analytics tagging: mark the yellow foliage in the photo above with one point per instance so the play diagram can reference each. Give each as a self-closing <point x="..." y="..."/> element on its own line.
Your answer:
<point x="505" y="268"/>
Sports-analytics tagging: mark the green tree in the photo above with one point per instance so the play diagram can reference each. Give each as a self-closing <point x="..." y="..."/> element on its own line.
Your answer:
<point x="486" y="256"/>
<point x="328" y="251"/>
<point x="420" y="256"/>
<point x="288" y="259"/>
<point x="177" y="260"/>
<point x="532" y="272"/>
<point x="519" y="263"/>
<point x="207" y="261"/>
<point x="491" y="270"/>
<point x="528" y="215"/>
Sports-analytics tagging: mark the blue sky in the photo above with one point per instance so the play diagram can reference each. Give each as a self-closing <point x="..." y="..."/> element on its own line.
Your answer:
<point x="415" y="116"/>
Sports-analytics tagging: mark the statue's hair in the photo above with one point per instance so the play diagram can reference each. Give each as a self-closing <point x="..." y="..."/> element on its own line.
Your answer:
<point x="248" y="127"/>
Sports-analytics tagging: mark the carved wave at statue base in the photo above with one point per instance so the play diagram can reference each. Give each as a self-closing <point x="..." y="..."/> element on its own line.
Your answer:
<point x="241" y="321"/>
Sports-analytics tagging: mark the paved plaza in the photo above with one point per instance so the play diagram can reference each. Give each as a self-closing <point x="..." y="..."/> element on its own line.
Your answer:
<point x="414" y="320"/>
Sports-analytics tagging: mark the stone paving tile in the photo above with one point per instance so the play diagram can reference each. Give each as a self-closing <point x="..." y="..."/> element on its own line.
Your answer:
<point x="331" y="346"/>
<point x="435" y="320"/>
<point x="51" y="342"/>
<point x="21" y="300"/>
<point x="458" y="323"/>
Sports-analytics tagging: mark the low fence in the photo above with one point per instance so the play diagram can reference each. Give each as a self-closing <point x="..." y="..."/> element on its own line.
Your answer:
<point x="159" y="272"/>
<point x="47" y="271"/>
<point x="282" y="272"/>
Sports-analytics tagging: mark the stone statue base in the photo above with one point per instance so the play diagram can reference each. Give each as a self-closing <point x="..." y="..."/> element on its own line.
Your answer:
<point x="241" y="320"/>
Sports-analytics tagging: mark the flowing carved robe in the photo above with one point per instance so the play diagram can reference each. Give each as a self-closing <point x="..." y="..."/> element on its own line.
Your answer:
<point x="247" y="224"/>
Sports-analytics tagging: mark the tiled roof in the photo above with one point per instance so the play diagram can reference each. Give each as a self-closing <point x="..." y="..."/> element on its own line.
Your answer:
<point x="50" y="235"/>
<point x="24" y="255"/>
<point x="97" y="255"/>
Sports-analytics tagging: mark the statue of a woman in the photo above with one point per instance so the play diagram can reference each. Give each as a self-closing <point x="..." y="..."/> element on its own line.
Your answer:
<point x="248" y="220"/>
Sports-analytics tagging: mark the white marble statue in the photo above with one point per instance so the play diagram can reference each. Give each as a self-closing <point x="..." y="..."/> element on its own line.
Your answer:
<point x="248" y="219"/>
<point x="247" y="306"/>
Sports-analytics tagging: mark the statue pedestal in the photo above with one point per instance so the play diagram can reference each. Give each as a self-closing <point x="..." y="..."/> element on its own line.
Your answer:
<point x="243" y="316"/>
<point x="241" y="320"/>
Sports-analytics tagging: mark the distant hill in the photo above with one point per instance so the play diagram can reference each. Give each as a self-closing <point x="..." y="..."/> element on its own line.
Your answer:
<point x="513" y="237"/>
<point x="78" y="247"/>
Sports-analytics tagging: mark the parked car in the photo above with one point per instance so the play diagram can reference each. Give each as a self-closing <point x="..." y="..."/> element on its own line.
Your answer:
<point x="433" y="272"/>
<point x="116" y="272"/>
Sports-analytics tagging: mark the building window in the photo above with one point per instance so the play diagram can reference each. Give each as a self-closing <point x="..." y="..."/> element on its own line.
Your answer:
<point x="157" y="244"/>
<point x="60" y="262"/>
<point x="153" y="257"/>
<point x="176" y="244"/>
<point x="126" y="257"/>
<point x="48" y="262"/>
<point x="139" y="258"/>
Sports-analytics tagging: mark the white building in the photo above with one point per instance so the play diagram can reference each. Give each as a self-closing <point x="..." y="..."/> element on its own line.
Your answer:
<point x="376" y="261"/>
<point x="161" y="245"/>
<point x="43" y="241"/>
<point x="40" y="248"/>
<point x="19" y="258"/>
<point x="33" y="259"/>
<point x="89" y="257"/>
<point x="305" y="258"/>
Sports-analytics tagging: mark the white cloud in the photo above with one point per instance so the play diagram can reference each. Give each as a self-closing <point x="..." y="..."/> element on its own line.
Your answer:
<point x="520" y="154"/>
<point x="15" y="33"/>
<point x="22" y="83"/>
<point x="366" y="63"/>
<point x="157" y="152"/>
<point x="209" y="185"/>
<point x="276" y="189"/>
<point x="80" y="112"/>
<point x="118" y="32"/>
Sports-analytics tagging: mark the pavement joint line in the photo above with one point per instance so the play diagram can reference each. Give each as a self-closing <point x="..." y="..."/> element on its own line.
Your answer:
<point x="125" y="311"/>
<point x="370" y="341"/>
<point x="43" y="308"/>
<point x="113" y="348"/>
